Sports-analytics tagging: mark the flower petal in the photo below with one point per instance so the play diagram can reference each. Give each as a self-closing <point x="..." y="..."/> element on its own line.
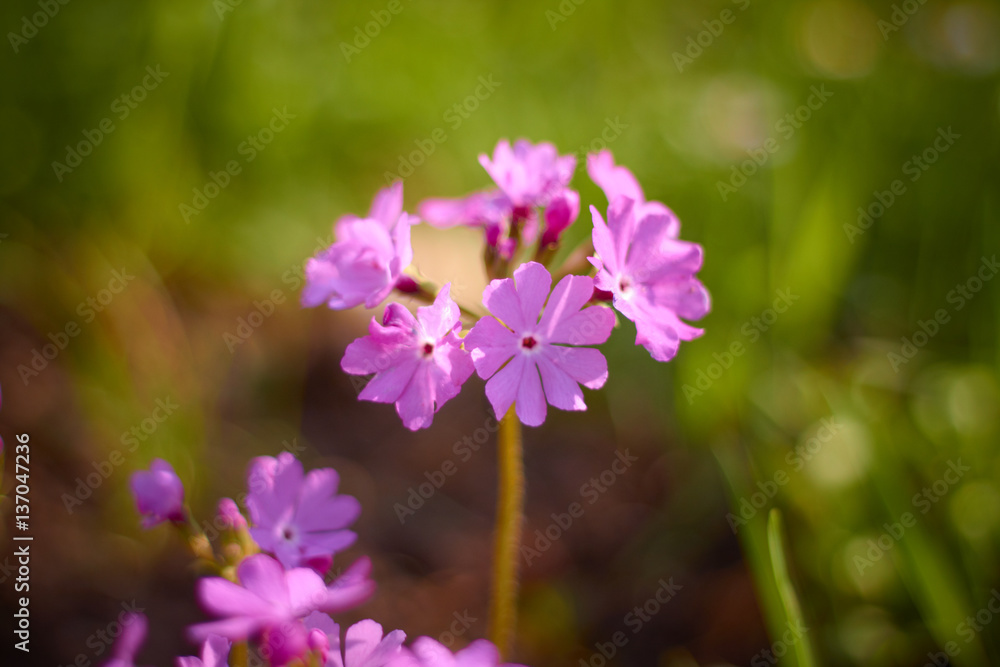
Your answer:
<point x="530" y="399"/>
<point x="533" y="285"/>
<point x="502" y="389"/>
<point x="561" y="390"/>
<point x="584" y="364"/>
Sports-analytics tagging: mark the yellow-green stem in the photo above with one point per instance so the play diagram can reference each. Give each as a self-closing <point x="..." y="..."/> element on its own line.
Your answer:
<point x="240" y="655"/>
<point x="507" y="544"/>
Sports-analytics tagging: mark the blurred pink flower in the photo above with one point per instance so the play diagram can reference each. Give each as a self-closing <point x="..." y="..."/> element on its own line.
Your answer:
<point x="418" y="361"/>
<point x="364" y="646"/>
<point x="230" y="516"/>
<point x="530" y="175"/>
<point x="427" y="652"/>
<point x="134" y="628"/>
<point x="650" y="274"/>
<point x="269" y="597"/>
<point x="158" y="493"/>
<point x="367" y="259"/>
<point x="534" y="346"/>
<point x="299" y="518"/>
<point x="214" y="653"/>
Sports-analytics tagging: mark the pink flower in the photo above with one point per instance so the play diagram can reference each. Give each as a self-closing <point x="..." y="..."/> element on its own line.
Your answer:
<point x="230" y="516"/>
<point x="427" y="652"/>
<point x="364" y="646"/>
<point x="158" y="493"/>
<point x="299" y="518"/>
<point x="367" y="259"/>
<point x="534" y="346"/>
<point x="619" y="182"/>
<point x="269" y="597"/>
<point x="560" y="214"/>
<point x="529" y="175"/>
<point x="490" y="210"/>
<point x="134" y="628"/>
<point x="650" y="274"/>
<point x="418" y="362"/>
<point x="214" y="653"/>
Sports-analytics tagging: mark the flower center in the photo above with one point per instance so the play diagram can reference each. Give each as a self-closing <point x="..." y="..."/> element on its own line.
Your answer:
<point x="288" y="533"/>
<point x="528" y="342"/>
<point x="427" y="349"/>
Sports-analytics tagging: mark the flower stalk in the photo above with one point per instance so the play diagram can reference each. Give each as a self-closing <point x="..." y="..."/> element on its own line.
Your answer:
<point x="507" y="544"/>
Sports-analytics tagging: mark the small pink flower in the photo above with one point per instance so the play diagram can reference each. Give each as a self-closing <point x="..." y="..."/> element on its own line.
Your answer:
<point x="367" y="259"/>
<point x="134" y="628"/>
<point x="534" y="346"/>
<point x="214" y="653"/>
<point x="650" y="274"/>
<point x="299" y="518"/>
<point x="158" y="493"/>
<point x="427" y="652"/>
<point x="418" y="361"/>
<point x="268" y="597"/>
<point x="530" y="175"/>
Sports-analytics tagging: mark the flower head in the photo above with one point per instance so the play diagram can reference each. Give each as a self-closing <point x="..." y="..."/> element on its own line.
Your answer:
<point x="158" y="493"/>
<point x="267" y="597"/>
<point x="214" y="653"/>
<point x="534" y="346"/>
<point x="299" y="518"/>
<point x="427" y="652"/>
<point x="650" y="274"/>
<point x="134" y="628"/>
<point x="618" y="181"/>
<point x="364" y="646"/>
<point x="529" y="175"/>
<point x="367" y="259"/>
<point x="418" y="361"/>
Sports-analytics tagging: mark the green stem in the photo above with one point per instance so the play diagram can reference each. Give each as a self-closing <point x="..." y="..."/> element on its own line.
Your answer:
<point x="507" y="545"/>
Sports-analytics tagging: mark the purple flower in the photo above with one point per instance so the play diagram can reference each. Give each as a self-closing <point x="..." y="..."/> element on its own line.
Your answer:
<point x="214" y="653"/>
<point x="269" y="597"/>
<point x="134" y="628"/>
<point x="299" y="518"/>
<point x="650" y="274"/>
<point x="529" y="175"/>
<point x="536" y="347"/>
<point x="367" y="259"/>
<point x="364" y="646"/>
<point x="418" y="361"/>
<point x="159" y="494"/>
<point x="619" y="182"/>
<point x="427" y="652"/>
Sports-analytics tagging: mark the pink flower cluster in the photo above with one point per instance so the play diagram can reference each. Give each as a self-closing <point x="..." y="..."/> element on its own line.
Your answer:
<point x="533" y="347"/>
<point x="276" y="596"/>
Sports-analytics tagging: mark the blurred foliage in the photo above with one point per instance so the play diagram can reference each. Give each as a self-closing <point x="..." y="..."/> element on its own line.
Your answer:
<point x="693" y="95"/>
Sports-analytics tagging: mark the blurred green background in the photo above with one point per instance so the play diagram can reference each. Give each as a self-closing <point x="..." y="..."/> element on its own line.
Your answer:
<point x="822" y="411"/>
